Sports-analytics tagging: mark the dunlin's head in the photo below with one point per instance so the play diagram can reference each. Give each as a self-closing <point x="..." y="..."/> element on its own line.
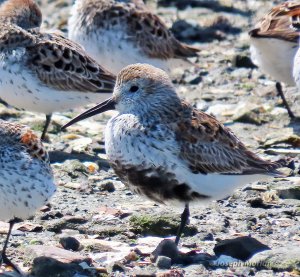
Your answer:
<point x="24" y="13"/>
<point x="140" y="89"/>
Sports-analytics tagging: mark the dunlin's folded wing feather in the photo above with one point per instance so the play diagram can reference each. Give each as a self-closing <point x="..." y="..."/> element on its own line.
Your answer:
<point x="155" y="38"/>
<point x="12" y="37"/>
<point x="209" y="147"/>
<point x="64" y="65"/>
<point x="277" y="23"/>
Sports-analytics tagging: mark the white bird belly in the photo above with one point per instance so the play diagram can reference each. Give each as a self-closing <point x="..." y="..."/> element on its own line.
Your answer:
<point x="25" y="185"/>
<point x="296" y="69"/>
<point x="274" y="57"/>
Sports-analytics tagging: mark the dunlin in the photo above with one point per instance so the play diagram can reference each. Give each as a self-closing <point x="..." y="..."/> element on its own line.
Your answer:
<point x="121" y="32"/>
<point x="163" y="148"/>
<point x="45" y="72"/>
<point x="26" y="180"/>
<point x="274" y="45"/>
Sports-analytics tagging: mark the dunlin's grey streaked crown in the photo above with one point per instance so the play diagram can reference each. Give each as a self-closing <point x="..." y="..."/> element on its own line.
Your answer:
<point x="274" y="45"/>
<point x="45" y="72"/>
<point x="162" y="147"/>
<point x="26" y="179"/>
<point x="119" y="33"/>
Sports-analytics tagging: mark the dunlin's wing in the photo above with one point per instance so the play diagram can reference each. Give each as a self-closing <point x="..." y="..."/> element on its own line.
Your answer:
<point x="156" y="40"/>
<point x="277" y="23"/>
<point x="145" y="29"/>
<point x="64" y="65"/>
<point x="12" y="37"/>
<point x="209" y="147"/>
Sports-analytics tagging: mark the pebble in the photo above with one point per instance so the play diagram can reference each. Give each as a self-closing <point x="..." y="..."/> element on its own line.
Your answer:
<point x="163" y="262"/>
<point x="69" y="243"/>
<point x="166" y="248"/>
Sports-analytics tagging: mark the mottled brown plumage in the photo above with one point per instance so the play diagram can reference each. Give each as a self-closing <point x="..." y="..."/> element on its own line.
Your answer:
<point x="57" y="61"/>
<point x="163" y="148"/>
<point x="210" y="147"/>
<point x="277" y="23"/>
<point x="64" y="65"/>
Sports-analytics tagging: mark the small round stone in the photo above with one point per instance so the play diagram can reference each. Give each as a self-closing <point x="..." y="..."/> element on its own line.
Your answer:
<point x="69" y="243"/>
<point x="163" y="262"/>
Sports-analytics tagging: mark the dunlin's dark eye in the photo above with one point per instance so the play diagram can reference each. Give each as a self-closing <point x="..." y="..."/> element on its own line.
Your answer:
<point x="134" y="89"/>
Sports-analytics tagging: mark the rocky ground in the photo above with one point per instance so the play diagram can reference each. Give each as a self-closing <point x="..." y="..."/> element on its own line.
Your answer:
<point x="94" y="226"/>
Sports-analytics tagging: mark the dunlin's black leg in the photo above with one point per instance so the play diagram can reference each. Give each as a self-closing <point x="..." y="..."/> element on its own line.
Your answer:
<point x="184" y="219"/>
<point x="285" y="103"/>
<point x="47" y="123"/>
<point x="4" y="258"/>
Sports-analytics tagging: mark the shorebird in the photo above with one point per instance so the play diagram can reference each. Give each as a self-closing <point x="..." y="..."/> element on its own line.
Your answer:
<point x="163" y="148"/>
<point x="274" y="45"/>
<point x="26" y="179"/>
<point x="45" y="72"/>
<point x="121" y="32"/>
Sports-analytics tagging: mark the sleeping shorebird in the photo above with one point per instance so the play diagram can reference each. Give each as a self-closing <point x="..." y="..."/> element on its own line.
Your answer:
<point x="45" y="72"/>
<point x="121" y="32"/>
<point x="274" y="45"/>
<point x="26" y="179"/>
<point x="163" y="148"/>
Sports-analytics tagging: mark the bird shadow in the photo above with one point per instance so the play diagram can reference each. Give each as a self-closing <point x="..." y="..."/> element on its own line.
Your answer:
<point x="61" y="156"/>
<point x="295" y="125"/>
<point x="215" y="6"/>
<point x="216" y="31"/>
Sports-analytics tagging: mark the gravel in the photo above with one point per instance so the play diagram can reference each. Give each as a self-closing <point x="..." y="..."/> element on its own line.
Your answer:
<point x="114" y="231"/>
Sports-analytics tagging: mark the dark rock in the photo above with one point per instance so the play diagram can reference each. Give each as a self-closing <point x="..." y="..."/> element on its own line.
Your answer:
<point x="163" y="262"/>
<point x="69" y="243"/>
<point x="192" y="79"/>
<point x="258" y="202"/>
<point x="208" y="236"/>
<point x="117" y="267"/>
<point x="108" y="186"/>
<point x="243" y="61"/>
<point x="49" y="267"/>
<point x="241" y="248"/>
<point x="167" y="248"/>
